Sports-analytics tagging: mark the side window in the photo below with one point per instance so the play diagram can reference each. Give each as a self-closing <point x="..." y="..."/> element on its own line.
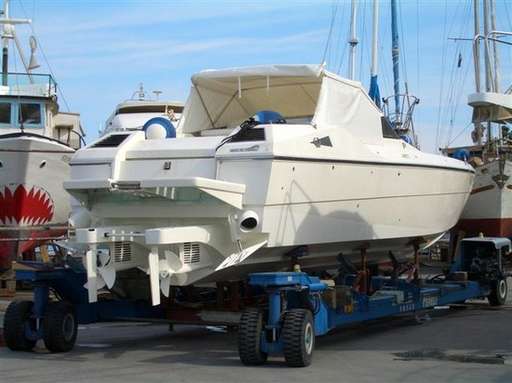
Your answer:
<point x="30" y="114"/>
<point x="5" y="113"/>
<point x="387" y="129"/>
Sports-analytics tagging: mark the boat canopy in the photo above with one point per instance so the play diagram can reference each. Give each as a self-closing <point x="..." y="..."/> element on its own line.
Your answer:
<point x="221" y="99"/>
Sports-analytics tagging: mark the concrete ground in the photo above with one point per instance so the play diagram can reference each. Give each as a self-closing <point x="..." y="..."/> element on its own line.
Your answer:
<point x="470" y="344"/>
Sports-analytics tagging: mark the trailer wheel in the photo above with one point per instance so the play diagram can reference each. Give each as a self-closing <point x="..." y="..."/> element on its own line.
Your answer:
<point x="17" y="317"/>
<point x="249" y="338"/>
<point x="59" y="327"/>
<point x="298" y="336"/>
<point x="499" y="291"/>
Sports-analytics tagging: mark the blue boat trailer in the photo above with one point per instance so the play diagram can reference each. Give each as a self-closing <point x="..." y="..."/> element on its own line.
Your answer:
<point x="301" y="307"/>
<point x="283" y="311"/>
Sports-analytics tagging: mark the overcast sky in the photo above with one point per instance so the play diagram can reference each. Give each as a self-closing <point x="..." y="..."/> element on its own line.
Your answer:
<point x="100" y="50"/>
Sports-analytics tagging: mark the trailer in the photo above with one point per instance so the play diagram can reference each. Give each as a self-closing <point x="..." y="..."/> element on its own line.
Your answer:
<point x="277" y="313"/>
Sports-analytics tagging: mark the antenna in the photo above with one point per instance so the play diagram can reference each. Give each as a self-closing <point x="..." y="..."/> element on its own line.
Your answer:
<point x="157" y="94"/>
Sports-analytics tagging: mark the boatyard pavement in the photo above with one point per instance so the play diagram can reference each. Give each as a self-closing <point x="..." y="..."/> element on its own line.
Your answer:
<point x="469" y="344"/>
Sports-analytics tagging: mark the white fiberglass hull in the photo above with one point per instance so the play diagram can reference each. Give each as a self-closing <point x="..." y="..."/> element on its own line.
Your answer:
<point x="331" y="207"/>
<point x="33" y="203"/>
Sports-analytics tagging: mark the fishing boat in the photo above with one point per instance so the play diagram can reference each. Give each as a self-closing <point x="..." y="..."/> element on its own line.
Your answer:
<point x="489" y="207"/>
<point x="269" y="165"/>
<point x="37" y="141"/>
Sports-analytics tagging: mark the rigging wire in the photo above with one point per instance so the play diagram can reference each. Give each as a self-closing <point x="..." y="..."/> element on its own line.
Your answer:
<point x="331" y="27"/>
<point x="345" y="46"/>
<point x="59" y="88"/>
<point x="461" y="75"/>
<point x="418" y="72"/>
<point x="443" y="59"/>
<point x="362" y="41"/>
<point x="402" y="52"/>
<point x="342" y="48"/>
<point x="456" y="76"/>
<point x="460" y="133"/>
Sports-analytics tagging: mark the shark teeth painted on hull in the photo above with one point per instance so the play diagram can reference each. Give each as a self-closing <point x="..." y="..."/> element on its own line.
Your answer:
<point x="20" y="206"/>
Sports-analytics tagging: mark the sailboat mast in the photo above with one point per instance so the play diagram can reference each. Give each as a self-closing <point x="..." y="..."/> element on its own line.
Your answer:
<point x="5" y="45"/>
<point x="374" y="86"/>
<point x="495" y="48"/>
<point x="476" y="44"/>
<point x="488" y="78"/>
<point x="375" y="37"/>
<point x="352" y="42"/>
<point x="395" y="52"/>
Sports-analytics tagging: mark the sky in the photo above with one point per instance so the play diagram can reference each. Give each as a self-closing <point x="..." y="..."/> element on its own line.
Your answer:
<point x="100" y="50"/>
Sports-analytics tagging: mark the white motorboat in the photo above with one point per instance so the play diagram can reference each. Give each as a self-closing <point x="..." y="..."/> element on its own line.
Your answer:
<point x="140" y="109"/>
<point x="37" y="141"/>
<point x="317" y="173"/>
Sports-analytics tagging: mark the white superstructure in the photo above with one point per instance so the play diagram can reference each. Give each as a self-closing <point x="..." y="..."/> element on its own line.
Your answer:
<point x="132" y="114"/>
<point x="323" y="175"/>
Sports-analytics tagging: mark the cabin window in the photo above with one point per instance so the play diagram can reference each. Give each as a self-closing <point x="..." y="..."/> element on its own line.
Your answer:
<point x="387" y="129"/>
<point x="30" y="114"/>
<point x="5" y="112"/>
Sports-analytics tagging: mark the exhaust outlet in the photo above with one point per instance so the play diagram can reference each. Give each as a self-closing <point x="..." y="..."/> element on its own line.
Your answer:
<point x="249" y="221"/>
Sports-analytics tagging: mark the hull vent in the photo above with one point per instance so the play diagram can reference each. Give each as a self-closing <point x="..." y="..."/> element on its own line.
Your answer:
<point x="191" y="253"/>
<point x="122" y="252"/>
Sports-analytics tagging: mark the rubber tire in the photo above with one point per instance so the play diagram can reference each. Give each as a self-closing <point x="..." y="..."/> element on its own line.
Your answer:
<point x="296" y="351"/>
<point x="16" y="315"/>
<point x="60" y="327"/>
<point x="249" y="338"/>
<point x="497" y="297"/>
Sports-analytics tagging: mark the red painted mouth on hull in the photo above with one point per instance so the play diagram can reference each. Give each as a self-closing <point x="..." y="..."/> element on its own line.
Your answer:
<point x="22" y="207"/>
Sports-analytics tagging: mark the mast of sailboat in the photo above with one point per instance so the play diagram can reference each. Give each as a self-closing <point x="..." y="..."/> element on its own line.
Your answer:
<point x="5" y="45"/>
<point x="488" y="77"/>
<point x="476" y="44"/>
<point x="8" y="33"/>
<point x="352" y="42"/>
<point x="496" y="59"/>
<point x="374" y="92"/>
<point x="395" y="54"/>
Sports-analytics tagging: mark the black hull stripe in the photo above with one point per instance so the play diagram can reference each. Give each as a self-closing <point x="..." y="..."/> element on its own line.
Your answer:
<point x="397" y="164"/>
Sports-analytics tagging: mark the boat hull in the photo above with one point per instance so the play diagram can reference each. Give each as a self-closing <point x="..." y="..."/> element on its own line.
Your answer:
<point x="33" y="204"/>
<point x="378" y="208"/>
<point x="489" y="207"/>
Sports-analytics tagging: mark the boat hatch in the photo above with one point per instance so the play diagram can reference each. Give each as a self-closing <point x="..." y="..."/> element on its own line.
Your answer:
<point x="111" y="141"/>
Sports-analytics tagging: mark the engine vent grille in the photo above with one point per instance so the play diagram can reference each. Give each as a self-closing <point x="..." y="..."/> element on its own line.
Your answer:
<point x="122" y="252"/>
<point x="191" y="253"/>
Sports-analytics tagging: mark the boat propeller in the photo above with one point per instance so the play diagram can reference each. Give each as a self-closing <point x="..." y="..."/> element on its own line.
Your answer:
<point x="106" y="273"/>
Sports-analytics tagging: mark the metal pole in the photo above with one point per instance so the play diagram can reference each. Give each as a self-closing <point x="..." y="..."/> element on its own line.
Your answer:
<point x="476" y="43"/>
<point x="375" y="37"/>
<point x="353" y="42"/>
<point x="395" y="53"/>
<point x="488" y="79"/>
<point x="5" y="46"/>
<point x="495" y="49"/>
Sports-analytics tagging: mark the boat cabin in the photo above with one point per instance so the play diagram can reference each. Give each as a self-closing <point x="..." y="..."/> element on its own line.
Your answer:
<point x="28" y="102"/>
